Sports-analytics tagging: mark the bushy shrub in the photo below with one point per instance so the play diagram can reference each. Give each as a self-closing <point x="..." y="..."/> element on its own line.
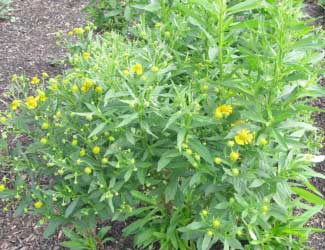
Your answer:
<point x="199" y="129"/>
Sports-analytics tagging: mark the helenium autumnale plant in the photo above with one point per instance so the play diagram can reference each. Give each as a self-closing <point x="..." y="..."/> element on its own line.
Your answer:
<point x="198" y="130"/>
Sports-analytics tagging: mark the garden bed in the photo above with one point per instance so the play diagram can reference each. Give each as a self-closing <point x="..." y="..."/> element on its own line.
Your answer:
<point x="28" y="46"/>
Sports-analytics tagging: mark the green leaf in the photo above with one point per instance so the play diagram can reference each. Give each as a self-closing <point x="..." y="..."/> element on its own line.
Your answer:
<point x="127" y="119"/>
<point x="52" y="226"/>
<point x="163" y="162"/>
<point x="197" y="23"/>
<point x="206" y="242"/>
<point x="142" y="197"/>
<point x="194" y="226"/>
<point x="246" y="5"/>
<point x="280" y="139"/>
<point x="100" y="127"/>
<point x="202" y="150"/>
<point x="173" y="119"/>
<point x="310" y="197"/>
<point x="171" y="188"/>
<point x="152" y="7"/>
<point x="180" y="138"/>
<point x="256" y="183"/>
<point x="70" y="209"/>
<point x="74" y="245"/>
<point x="213" y="52"/>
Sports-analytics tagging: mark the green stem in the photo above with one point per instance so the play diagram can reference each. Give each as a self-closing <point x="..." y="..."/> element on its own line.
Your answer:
<point x="221" y="38"/>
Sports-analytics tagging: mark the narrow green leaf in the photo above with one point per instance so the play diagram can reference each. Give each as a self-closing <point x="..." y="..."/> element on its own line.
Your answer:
<point x="310" y="197"/>
<point x="246" y="5"/>
<point x="70" y="209"/>
<point x="100" y="127"/>
<point x="202" y="150"/>
<point x="142" y="197"/>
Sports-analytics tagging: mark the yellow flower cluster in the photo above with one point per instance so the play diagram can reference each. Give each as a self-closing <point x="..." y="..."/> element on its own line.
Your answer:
<point x="223" y="110"/>
<point x="35" y="80"/>
<point x="88" y="170"/>
<point x="78" y="31"/>
<point x="96" y="150"/>
<point x="31" y="102"/>
<point x="2" y="187"/>
<point x="15" y="104"/>
<point x="86" y="55"/>
<point x="244" y="137"/>
<point x="87" y="84"/>
<point x="38" y="204"/>
<point x="41" y="96"/>
<point x="137" y="69"/>
<point x="234" y="156"/>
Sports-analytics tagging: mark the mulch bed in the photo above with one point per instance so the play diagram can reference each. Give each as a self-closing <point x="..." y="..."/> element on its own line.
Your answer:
<point x="28" y="46"/>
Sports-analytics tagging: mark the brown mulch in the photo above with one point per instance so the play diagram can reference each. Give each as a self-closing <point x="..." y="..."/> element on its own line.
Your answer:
<point x="28" y="46"/>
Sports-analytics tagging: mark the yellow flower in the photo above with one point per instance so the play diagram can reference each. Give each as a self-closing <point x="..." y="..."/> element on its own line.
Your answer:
<point x="35" y="80"/>
<point x="234" y="156"/>
<point x="189" y="151"/>
<point x="41" y="96"/>
<point x="14" y="77"/>
<point x="74" y="142"/>
<point x="87" y="85"/>
<point x="99" y="89"/>
<point x="86" y="55"/>
<point x="126" y="72"/>
<point x="205" y="212"/>
<point x="222" y="110"/>
<point x="235" y="171"/>
<point x="15" y="104"/>
<point x="216" y="223"/>
<point x="96" y="150"/>
<point x="74" y="88"/>
<point x="82" y="152"/>
<point x="78" y="31"/>
<point x="263" y="142"/>
<point x="244" y="137"/>
<point x="31" y="102"/>
<point x="44" y="140"/>
<point x="217" y="160"/>
<point x="158" y="25"/>
<point x="45" y="125"/>
<point x="88" y="170"/>
<point x="265" y="208"/>
<point x="205" y="87"/>
<point x="154" y="69"/>
<point x="54" y="86"/>
<point x="230" y="144"/>
<point x="38" y="204"/>
<point x="3" y="119"/>
<point x="210" y="233"/>
<point x="105" y="160"/>
<point x="137" y="68"/>
<point x="2" y="187"/>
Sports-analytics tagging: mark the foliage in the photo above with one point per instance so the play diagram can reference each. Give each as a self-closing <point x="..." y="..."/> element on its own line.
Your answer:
<point x="113" y="14"/>
<point x="4" y="8"/>
<point x="86" y="240"/>
<point x="199" y="129"/>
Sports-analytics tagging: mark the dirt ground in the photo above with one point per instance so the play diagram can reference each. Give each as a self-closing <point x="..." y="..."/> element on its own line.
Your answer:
<point x="27" y="46"/>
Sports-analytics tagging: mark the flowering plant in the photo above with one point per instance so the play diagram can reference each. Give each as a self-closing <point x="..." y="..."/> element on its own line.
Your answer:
<point x="200" y="131"/>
